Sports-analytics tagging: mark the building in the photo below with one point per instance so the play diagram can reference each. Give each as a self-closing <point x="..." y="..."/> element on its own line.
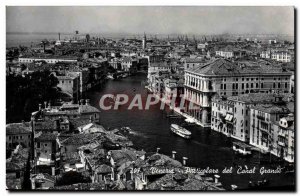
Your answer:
<point x="73" y="112"/>
<point x="224" y="77"/>
<point x="48" y="59"/>
<point x="263" y="116"/>
<point x="191" y="63"/>
<point x="231" y="116"/>
<point x="144" y="42"/>
<point x="128" y="64"/>
<point x="282" y="56"/>
<point x="18" y="133"/>
<point x="70" y="84"/>
<point x="284" y="142"/>
<point x="45" y="146"/>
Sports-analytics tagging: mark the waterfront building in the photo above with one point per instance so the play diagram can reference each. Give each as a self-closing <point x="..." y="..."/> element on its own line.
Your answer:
<point x="231" y="116"/>
<point x="263" y="117"/>
<point x="224" y="77"/>
<point x="115" y="63"/>
<point x="129" y="64"/>
<point x="284" y="138"/>
<point x="48" y="59"/>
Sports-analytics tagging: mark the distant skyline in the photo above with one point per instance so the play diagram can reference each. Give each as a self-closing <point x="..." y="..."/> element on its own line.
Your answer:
<point x="152" y="19"/>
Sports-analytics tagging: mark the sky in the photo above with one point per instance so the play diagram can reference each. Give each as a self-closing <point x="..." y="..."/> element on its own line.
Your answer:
<point x="152" y="19"/>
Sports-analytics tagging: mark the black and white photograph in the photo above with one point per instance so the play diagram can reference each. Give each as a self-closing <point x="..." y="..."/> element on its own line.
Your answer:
<point x="150" y="98"/>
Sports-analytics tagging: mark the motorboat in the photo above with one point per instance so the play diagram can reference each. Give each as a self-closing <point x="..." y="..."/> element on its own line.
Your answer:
<point x="182" y="132"/>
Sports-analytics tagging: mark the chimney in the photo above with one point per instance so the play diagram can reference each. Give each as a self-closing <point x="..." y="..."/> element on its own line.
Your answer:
<point x="157" y="150"/>
<point x="40" y="107"/>
<point x="87" y="102"/>
<point x="53" y="171"/>
<point x="58" y="36"/>
<point x="49" y="105"/>
<point x="91" y="119"/>
<point x="45" y="102"/>
<point x="217" y="178"/>
<point x="81" y="101"/>
<point x="174" y="154"/>
<point x="233" y="187"/>
<point x="184" y="161"/>
<point x="56" y="124"/>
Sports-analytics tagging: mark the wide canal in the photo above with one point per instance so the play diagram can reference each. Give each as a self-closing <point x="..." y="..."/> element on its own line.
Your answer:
<point x="207" y="148"/>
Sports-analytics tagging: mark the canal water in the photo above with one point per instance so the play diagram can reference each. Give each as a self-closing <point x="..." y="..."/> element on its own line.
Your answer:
<point x="151" y="127"/>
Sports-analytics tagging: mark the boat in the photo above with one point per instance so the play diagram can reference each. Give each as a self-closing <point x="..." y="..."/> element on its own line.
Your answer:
<point x="181" y="131"/>
<point x="241" y="148"/>
<point x="189" y="120"/>
<point x="110" y="77"/>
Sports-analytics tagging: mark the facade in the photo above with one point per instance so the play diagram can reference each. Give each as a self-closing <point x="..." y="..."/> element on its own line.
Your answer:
<point x="128" y="64"/>
<point x="231" y="116"/>
<point x="69" y="84"/>
<point x="261" y="130"/>
<point x="50" y="60"/>
<point x="284" y="143"/>
<point x="67" y="110"/>
<point x="18" y="133"/>
<point x="282" y="56"/>
<point x="227" y="78"/>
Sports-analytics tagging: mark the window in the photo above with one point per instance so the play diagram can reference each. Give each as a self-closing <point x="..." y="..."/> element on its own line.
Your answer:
<point x="261" y="85"/>
<point x="243" y="86"/>
<point x="251" y="85"/>
<point x="221" y="86"/>
<point x="247" y="85"/>
<point x="242" y="111"/>
<point x="278" y="85"/>
<point x="256" y="85"/>
<point x="45" y="145"/>
<point x="235" y="110"/>
<point x="224" y="86"/>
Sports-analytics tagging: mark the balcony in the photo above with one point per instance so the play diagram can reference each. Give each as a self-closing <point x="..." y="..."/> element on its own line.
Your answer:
<point x="282" y="133"/>
<point x="260" y="117"/>
<point x="281" y="143"/>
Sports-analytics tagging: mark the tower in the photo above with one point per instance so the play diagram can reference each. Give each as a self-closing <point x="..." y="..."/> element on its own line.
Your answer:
<point x="144" y="41"/>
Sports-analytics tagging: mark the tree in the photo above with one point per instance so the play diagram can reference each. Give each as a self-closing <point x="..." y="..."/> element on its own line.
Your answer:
<point x="26" y="185"/>
<point x="23" y="94"/>
<point x="72" y="177"/>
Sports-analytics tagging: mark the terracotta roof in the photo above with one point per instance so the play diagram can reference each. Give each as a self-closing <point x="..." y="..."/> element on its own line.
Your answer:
<point x="88" y="109"/>
<point x="45" y="136"/>
<point x="80" y="139"/>
<point x="227" y="67"/>
<point x="18" y="128"/>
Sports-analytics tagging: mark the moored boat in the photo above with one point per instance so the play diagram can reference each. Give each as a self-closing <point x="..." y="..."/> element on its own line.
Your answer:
<point x="241" y="148"/>
<point x="182" y="132"/>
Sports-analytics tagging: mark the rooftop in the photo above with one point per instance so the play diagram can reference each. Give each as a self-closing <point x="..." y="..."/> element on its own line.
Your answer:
<point x="227" y="67"/>
<point x="18" y="128"/>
